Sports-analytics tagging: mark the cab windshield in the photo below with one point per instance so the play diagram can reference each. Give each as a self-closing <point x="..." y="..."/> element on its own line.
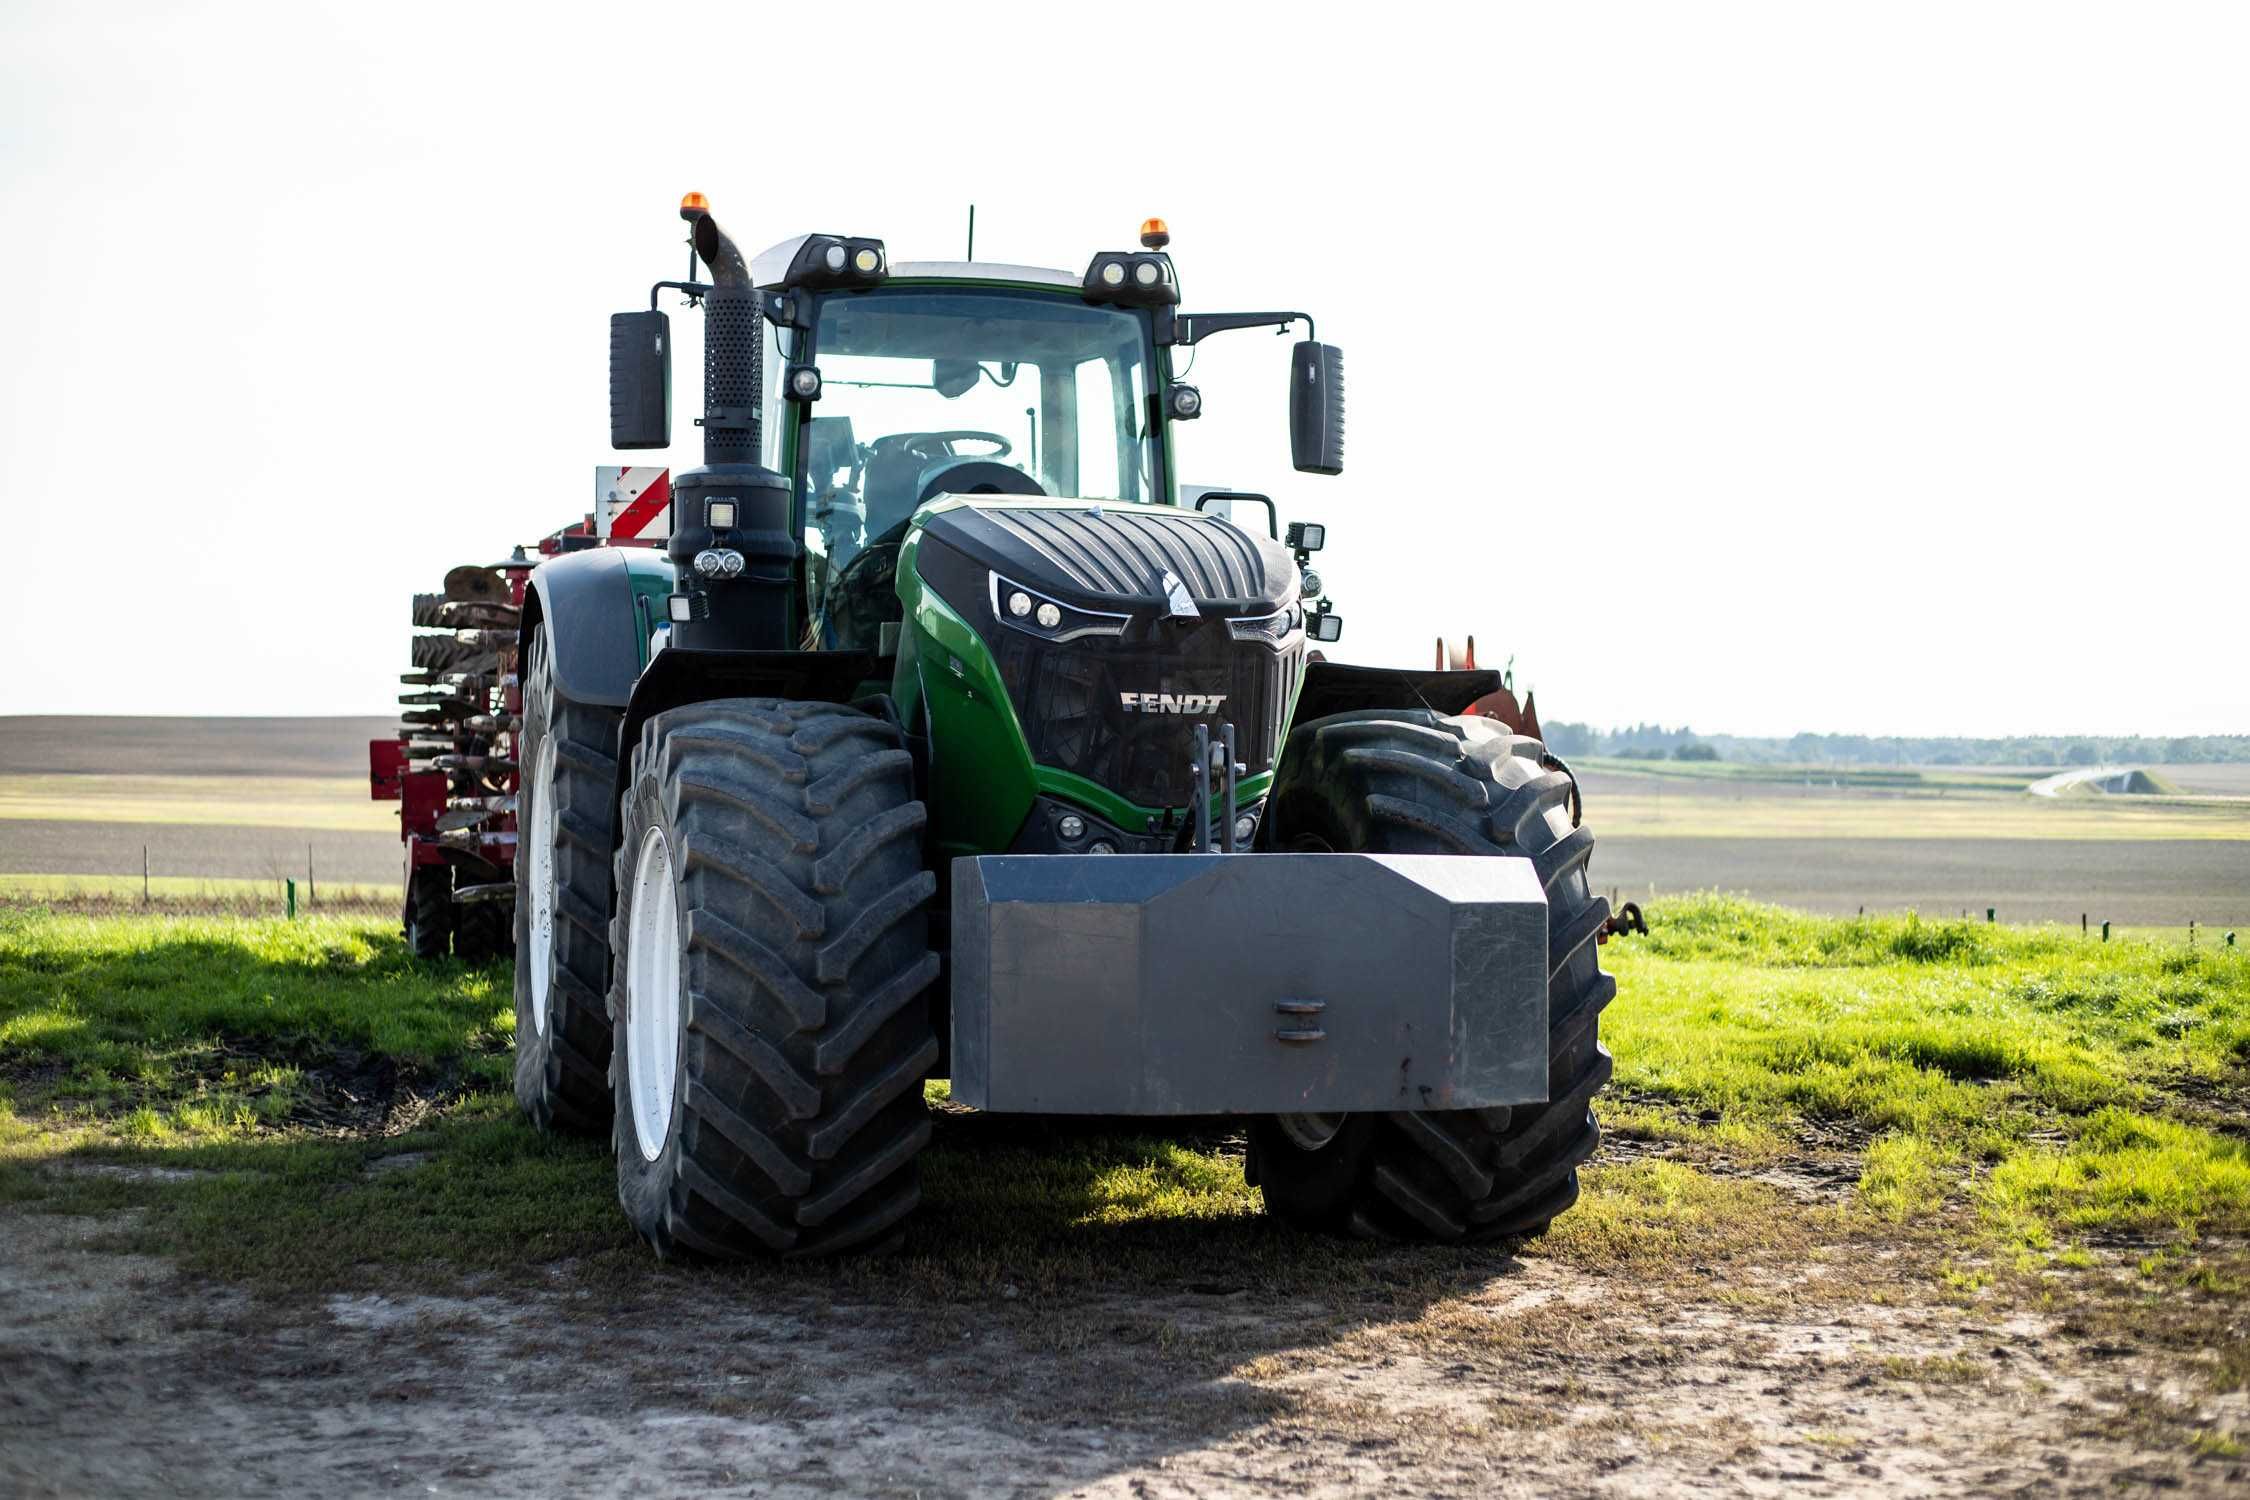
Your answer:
<point x="931" y="392"/>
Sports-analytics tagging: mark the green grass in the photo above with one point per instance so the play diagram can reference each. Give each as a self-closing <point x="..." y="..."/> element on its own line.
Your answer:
<point x="326" y="1109"/>
<point x="205" y="1026"/>
<point x="2067" y="1082"/>
<point x="2127" y="1171"/>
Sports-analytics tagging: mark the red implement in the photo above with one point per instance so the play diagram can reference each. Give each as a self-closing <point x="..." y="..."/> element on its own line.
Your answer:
<point x="1501" y="704"/>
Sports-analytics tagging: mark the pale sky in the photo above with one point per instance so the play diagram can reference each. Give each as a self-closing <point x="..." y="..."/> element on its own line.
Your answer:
<point x="1765" y="367"/>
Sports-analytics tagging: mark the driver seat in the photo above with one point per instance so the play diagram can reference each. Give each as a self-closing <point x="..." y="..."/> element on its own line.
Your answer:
<point x="917" y="479"/>
<point x="893" y="487"/>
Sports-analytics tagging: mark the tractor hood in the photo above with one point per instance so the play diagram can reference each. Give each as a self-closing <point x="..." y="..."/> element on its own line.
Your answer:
<point x="1116" y="628"/>
<point x="1111" y="557"/>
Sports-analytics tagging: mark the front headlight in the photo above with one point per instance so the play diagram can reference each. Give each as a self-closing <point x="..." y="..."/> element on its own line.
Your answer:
<point x="1034" y="613"/>
<point x="1273" y="630"/>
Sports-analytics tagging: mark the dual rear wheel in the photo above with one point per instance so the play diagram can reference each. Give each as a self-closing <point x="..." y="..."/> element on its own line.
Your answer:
<point x="565" y="809"/>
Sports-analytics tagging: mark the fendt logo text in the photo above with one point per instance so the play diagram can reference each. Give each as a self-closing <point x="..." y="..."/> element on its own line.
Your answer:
<point x="1172" y="703"/>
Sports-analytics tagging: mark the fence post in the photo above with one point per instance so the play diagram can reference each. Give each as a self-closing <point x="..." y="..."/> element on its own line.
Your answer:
<point x="1988" y="914"/>
<point x="292" y="885"/>
<point x="2081" y="915"/>
<point x="2105" y="932"/>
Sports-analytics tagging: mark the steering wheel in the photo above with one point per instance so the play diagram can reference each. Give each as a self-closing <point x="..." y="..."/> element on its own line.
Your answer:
<point x="930" y="447"/>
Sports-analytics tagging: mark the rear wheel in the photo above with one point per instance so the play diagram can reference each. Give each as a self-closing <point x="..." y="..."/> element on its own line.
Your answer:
<point x="772" y="953"/>
<point x="428" y="917"/>
<point x="562" y="875"/>
<point x="481" y="932"/>
<point x="1412" y="782"/>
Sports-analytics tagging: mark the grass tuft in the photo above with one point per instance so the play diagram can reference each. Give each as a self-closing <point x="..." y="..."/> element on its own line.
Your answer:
<point x="1648" y="1217"/>
<point x="2127" y="1172"/>
<point x="1905" y="1177"/>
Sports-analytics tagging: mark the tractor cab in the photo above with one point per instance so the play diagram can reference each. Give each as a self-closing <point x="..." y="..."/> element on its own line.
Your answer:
<point x="954" y="379"/>
<point x="880" y="388"/>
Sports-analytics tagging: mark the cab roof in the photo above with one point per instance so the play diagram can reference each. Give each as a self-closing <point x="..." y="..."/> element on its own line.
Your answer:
<point x="772" y="264"/>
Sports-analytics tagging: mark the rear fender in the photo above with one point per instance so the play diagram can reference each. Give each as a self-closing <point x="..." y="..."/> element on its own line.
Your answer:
<point x="1332" y="687"/>
<point x="599" y="607"/>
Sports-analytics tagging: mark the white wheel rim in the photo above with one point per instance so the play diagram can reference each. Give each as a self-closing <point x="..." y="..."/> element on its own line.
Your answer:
<point x="652" y="994"/>
<point x="1309" y="1132"/>
<point x="542" y="955"/>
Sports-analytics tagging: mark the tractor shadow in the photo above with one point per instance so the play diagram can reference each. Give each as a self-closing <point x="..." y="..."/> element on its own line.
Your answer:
<point x="1113" y="1282"/>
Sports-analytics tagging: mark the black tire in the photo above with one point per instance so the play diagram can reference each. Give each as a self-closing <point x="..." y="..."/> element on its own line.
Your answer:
<point x="428" y="915"/>
<point x="562" y="939"/>
<point x="792" y="849"/>
<point x="1414" y="782"/>
<point x="482" y="932"/>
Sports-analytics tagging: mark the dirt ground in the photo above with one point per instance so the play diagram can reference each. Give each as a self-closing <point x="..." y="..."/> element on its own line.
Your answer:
<point x="124" y="745"/>
<point x="1828" y="1376"/>
<point x="225" y="750"/>
<point x="2128" y="881"/>
<point x="2132" y="882"/>
<point x="202" y="851"/>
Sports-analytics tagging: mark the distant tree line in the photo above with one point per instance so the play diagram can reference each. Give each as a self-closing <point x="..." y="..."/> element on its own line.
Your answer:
<point x="1658" y="742"/>
<point x="1635" y="742"/>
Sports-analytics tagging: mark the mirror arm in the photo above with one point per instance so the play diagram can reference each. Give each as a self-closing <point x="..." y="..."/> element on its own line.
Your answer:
<point x="1193" y="328"/>
<point x="694" y="290"/>
<point x="782" y="310"/>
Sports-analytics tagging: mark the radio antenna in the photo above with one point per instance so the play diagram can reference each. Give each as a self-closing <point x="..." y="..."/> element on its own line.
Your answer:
<point x="972" y="231"/>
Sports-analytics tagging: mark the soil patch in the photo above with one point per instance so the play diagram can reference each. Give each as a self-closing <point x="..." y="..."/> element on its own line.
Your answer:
<point x="120" y="1377"/>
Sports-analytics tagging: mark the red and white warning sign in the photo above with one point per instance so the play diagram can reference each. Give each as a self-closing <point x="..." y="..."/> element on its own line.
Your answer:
<point x="632" y="505"/>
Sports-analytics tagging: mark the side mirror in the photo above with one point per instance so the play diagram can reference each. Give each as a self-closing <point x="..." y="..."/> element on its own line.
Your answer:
<point x="640" y="380"/>
<point x="1316" y="408"/>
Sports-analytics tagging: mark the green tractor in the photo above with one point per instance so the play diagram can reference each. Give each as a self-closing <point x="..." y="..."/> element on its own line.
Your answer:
<point x="942" y="741"/>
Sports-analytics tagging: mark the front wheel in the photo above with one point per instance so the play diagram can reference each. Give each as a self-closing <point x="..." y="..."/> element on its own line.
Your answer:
<point x="772" y="950"/>
<point x="1413" y="782"/>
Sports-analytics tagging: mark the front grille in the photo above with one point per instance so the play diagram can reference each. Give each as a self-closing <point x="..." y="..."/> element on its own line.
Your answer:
<point x="1070" y="695"/>
<point x="1071" y="700"/>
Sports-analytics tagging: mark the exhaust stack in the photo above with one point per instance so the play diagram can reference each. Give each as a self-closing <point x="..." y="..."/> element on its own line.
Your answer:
<point x="733" y="343"/>
<point x="731" y="538"/>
